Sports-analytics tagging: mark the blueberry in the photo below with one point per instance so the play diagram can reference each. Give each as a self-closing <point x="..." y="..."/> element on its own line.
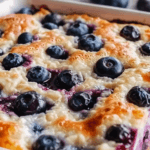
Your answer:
<point x="25" y="37"/>
<point x="120" y="134"/>
<point x="81" y="101"/>
<point x="38" y="74"/>
<point x="57" y="52"/>
<point x="12" y="60"/>
<point x="145" y="49"/>
<point x="116" y="3"/>
<point x="78" y="29"/>
<point x="108" y="67"/>
<point x="139" y="96"/>
<point x="29" y="103"/>
<point x="47" y="142"/>
<point x="143" y="5"/>
<point x="67" y="79"/>
<point x="1" y="52"/>
<point x="90" y="42"/>
<point x="130" y="33"/>
<point x="50" y="26"/>
<point x="37" y="129"/>
<point x="1" y="33"/>
<point x="53" y="18"/>
<point x="26" y="10"/>
<point x="69" y="147"/>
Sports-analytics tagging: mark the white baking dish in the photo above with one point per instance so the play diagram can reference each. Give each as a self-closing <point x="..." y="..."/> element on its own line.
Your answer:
<point x="61" y="6"/>
<point x="105" y="12"/>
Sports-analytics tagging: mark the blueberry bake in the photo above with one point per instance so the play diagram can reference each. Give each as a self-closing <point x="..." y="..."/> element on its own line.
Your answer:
<point x="73" y="82"/>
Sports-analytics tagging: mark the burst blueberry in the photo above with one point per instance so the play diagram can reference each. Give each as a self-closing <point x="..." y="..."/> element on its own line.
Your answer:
<point x="57" y="52"/>
<point x="90" y="42"/>
<point x="25" y="38"/>
<point x="50" y="26"/>
<point x="38" y="74"/>
<point x="47" y="142"/>
<point x="12" y="60"/>
<point x="130" y="33"/>
<point x="29" y="103"/>
<point x="78" y="29"/>
<point x="67" y="79"/>
<point x="108" y="67"/>
<point x="53" y="18"/>
<point x="139" y="96"/>
<point x="120" y="134"/>
<point x="116" y="3"/>
<point x="145" y="49"/>
<point x="81" y="101"/>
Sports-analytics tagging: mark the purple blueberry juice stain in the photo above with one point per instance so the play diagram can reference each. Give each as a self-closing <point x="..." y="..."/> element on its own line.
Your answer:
<point x="145" y="140"/>
<point x="7" y="104"/>
<point x="93" y="92"/>
<point x="43" y="87"/>
<point x="129" y="143"/>
<point x="96" y="95"/>
<point x="91" y="27"/>
<point x="50" y="83"/>
<point x="35" y="38"/>
<point x="28" y="60"/>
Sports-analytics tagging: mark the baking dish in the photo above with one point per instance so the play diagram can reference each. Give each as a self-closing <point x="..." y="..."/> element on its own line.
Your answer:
<point x="105" y="12"/>
<point x="60" y="6"/>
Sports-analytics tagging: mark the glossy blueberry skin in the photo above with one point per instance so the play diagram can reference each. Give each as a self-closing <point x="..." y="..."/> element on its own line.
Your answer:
<point x="67" y="79"/>
<point x="90" y="42"/>
<point x="143" y="5"/>
<point x="145" y="49"/>
<point x="12" y="60"/>
<point x="26" y="10"/>
<point x="47" y="142"/>
<point x="130" y="33"/>
<point x="139" y="96"/>
<point x="1" y="52"/>
<point x="50" y="26"/>
<point x="80" y="101"/>
<point x="29" y="103"/>
<point x="25" y="38"/>
<point x="37" y="129"/>
<point x="69" y="147"/>
<point x="108" y="67"/>
<point x="1" y="33"/>
<point x="120" y="134"/>
<point x="116" y="3"/>
<point x="53" y="18"/>
<point x="38" y="74"/>
<point x="57" y="52"/>
<point x="78" y="29"/>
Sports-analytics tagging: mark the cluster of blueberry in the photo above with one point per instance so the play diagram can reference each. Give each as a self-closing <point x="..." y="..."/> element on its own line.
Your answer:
<point x="141" y="5"/>
<point x="31" y="102"/>
<point x="116" y="3"/>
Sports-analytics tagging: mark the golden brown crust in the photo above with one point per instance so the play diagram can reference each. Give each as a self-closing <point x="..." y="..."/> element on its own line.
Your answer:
<point x="16" y="24"/>
<point x="60" y="120"/>
<point x="89" y="126"/>
<point x="7" y="131"/>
